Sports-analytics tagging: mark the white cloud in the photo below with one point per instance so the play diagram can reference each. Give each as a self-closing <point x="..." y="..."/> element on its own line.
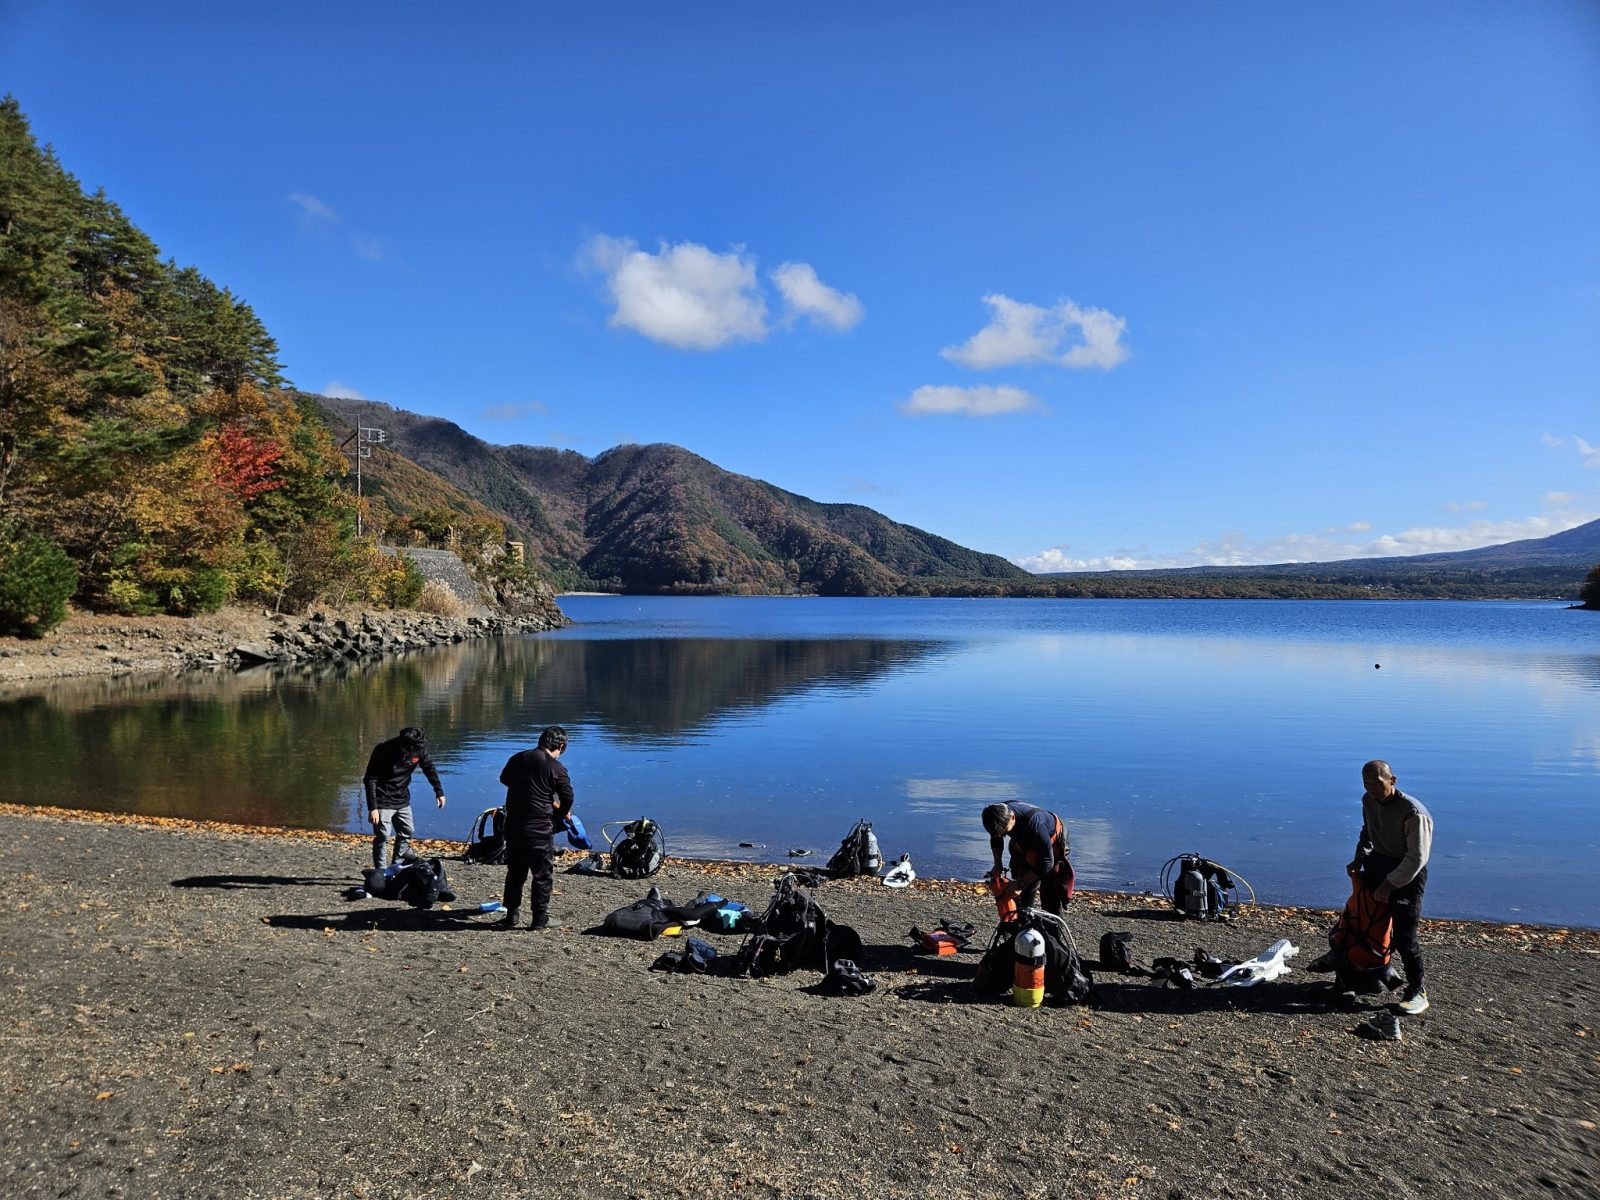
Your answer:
<point x="341" y="391"/>
<point x="368" y="247"/>
<point x="514" y="412"/>
<point x="313" y="207"/>
<point x="1238" y="549"/>
<point x="1059" y="560"/>
<point x="983" y="401"/>
<point x="1588" y="452"/>
<point x="808" y="296"/>
<point x="1067" y="335"/>
<point x="1456" y="506"/>
<point x="683" y="295"/>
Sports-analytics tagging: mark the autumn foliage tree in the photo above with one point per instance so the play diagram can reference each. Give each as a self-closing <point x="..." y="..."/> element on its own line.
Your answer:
<point x="144" y="427"/>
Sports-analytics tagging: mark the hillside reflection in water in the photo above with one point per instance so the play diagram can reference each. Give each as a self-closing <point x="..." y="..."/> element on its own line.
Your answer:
<point x="286" y="745"/>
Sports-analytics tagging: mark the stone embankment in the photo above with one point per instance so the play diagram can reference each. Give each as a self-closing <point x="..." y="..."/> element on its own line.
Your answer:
<point x="321" y="638"/>
<point x="237" y="638"/>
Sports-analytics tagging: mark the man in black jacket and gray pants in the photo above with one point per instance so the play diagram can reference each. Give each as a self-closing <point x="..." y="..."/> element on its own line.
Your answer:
<point x="538" y="801"/>
<point x="388" y="787"/>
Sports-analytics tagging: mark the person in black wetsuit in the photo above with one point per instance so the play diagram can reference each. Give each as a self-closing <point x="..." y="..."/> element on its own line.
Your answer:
<point x="1040" y="868"/>
<point x="387" y="783"/>
<point x="538" y="802"/>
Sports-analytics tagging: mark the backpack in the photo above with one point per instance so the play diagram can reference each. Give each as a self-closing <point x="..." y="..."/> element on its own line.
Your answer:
<point x="1361" y="936"/>
<point x="1115" y="953"/>
<point x="794" y="932"/>
<point x="418" y="882"/>
<point x="486" y="844"/>
<point x="1198" y="887"/>
<point x="1066" y="979"/>
<point x="858" y="854"/>
<point x="638" y="850"/>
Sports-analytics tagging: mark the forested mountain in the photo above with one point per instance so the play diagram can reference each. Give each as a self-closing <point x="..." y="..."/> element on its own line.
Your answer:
<point x="150" y="458"/>
<point x="660" y="519"/>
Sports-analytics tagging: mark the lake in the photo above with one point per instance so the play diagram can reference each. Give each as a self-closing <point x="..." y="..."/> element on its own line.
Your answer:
<point x="1234" y="728"/>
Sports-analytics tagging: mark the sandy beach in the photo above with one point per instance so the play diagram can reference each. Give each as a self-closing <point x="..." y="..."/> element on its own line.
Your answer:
<point x="197" y="1011"/>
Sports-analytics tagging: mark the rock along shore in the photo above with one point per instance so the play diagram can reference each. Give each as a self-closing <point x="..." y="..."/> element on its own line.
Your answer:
<point x="88" y="644"/>
<point x="197" y="1011"/>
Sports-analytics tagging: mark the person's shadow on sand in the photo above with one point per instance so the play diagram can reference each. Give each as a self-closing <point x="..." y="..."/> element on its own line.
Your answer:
<point x="1144" y="914"/>
<point x="388" y="919"/>
<point x="235" y="882"/>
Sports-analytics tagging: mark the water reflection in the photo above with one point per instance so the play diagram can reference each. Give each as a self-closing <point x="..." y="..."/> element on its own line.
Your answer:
<point x="1152" y="729"/>
<point x="284" y="745"/>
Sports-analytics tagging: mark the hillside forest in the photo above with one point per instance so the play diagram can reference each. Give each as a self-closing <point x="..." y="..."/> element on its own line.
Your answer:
<point x="151" y="458"/>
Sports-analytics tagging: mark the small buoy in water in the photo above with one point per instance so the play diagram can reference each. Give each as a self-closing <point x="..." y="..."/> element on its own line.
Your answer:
<point x="1377" y="666"/>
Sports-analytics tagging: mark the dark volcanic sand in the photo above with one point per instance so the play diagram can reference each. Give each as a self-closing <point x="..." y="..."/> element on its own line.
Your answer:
<point x="195" y="1012"/>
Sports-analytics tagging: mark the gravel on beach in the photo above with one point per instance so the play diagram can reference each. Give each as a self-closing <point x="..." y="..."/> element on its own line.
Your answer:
<point x="196" y="1010"/>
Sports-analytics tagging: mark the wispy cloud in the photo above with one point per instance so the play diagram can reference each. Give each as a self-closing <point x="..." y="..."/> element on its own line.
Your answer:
<point x="514" y="412"/>
<point x="1238" y="549"/>
<point x="313" y="207"/>
<point x="1589" y="453"/>
<point x="341" y="391"/>
<point x="854" y="485"/>
<point x="981" y="401"/>
<point x="1066" y="335"/>
<point x="368" y="247"/>
<point x="806" y="295"/>
<point x="683" y="295"/>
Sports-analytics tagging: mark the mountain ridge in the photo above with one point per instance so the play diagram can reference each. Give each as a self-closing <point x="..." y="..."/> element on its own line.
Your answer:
<point x="659" y="518"/>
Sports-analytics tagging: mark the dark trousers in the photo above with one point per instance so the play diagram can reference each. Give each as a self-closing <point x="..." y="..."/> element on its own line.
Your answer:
<point x="1405" y="909"/>
<point x="1405" y="905"/>
<point x="1053" y="891"/>
<point x="529" y="854"/>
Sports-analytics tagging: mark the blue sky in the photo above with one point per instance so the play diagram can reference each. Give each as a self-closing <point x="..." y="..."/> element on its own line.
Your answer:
<point x="1084" y="286"/>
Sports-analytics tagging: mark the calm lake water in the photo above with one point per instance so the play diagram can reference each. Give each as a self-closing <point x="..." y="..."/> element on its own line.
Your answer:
<point x="1235" y="728"/>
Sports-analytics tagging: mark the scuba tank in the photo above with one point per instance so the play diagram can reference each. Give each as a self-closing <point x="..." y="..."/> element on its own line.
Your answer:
<point x="1194" y="900"/>
<point x="1027" y="979"/>
<point x="874" y="858"/>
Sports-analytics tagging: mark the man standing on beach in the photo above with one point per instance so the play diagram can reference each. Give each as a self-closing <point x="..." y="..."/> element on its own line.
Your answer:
<point x="538" y="801"/>
<point x="388" y="787"/>
<point x="1392" y="859"/>
<point x="1039" y="864"/>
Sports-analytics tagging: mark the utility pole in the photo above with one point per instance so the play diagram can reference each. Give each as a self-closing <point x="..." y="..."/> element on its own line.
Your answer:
<point x="367" y="437"/>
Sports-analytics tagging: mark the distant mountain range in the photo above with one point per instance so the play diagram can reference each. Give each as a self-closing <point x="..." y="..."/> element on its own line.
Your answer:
<point x="658" y="518"/>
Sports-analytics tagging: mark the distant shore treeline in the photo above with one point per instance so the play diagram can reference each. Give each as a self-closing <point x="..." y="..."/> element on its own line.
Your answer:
<point x="151" y="460"/>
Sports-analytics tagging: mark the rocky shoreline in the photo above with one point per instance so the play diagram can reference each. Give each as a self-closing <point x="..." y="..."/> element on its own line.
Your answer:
<point x="236" y="638"/>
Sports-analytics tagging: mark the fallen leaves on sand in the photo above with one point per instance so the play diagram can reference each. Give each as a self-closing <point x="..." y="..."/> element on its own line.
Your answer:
<point x="104" y="1095"/>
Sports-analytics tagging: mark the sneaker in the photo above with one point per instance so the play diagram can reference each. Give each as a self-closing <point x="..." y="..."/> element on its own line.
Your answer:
<point x="1324" y="964"/>
<point x="540" y="922"/>
<point x="509" y="921"/>
<point x="1414" y="1003"/>
<point x="1382" y="1027"/>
